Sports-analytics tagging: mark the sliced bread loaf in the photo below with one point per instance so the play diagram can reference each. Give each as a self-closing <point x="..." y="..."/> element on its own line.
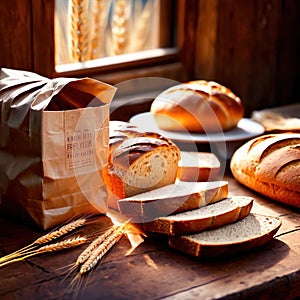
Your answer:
<point x="251" y="232"/>
<point x="211" y="216"/>
<point x="139" y="161"/>
<point x="198" y="166"/>
<point x="171" y="199"/>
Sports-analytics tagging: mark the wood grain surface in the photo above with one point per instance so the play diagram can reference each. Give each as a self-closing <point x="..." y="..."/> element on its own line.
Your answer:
<point x="155" y="271"/>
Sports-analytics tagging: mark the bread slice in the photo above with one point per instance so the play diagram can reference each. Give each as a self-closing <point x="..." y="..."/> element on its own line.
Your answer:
<point x="251" y="232"/>
<point x="171" y="199"/>
<point x="156" y="167"/>
<point x="198" y="166"/>
<point x="211" y="216"/>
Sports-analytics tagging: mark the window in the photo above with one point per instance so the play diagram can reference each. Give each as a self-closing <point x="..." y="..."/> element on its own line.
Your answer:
<point x="198" y="39"/>
<point x="104" y="36"/>
<point x="34" y="39"/>
<point x="93" y="29"/>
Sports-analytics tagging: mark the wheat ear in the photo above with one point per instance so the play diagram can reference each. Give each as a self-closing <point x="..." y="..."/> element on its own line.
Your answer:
<point x="79" y="30"/>
<point x="103" y="248"/>
<point x="69" y="243"/>
<point x="45" y="239"/>
<point x="100" y="12"/>
<point x="87" y="252"/>
<point x="60" y="232"/>
<point x="120" y="27"/>
<point x="100" y="251"/>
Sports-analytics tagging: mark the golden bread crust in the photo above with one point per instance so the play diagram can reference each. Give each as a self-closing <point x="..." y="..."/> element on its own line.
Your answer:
<point x="197" y="106"/>
<point x="270" y="165"/>
<point x="138" y="161"/>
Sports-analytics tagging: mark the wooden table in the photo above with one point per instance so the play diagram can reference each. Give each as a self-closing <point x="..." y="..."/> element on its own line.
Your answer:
<point x="154" y="271"/>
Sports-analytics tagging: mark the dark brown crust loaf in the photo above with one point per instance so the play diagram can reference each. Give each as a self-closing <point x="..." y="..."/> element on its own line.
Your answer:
<point x="270" y="165"/>
<point x="197" y="106"/>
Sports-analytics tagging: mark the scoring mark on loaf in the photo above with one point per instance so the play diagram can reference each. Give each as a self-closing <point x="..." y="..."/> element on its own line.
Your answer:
<point x="278" y="145"/>
<point x="197" y="106"/>
<point x="142" y="160"/>
<point x="270" y="165"/>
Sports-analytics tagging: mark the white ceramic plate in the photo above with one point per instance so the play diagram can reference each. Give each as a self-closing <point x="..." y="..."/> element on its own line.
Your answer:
<point x="246" y="129"/>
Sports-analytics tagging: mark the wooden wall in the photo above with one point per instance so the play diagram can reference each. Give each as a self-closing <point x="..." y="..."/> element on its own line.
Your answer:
<point x="16" y="34"/>
<point x="253" y="47"/>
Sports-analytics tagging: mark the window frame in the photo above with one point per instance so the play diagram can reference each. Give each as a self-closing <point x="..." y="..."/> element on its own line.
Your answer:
<point x="171" y="62"/>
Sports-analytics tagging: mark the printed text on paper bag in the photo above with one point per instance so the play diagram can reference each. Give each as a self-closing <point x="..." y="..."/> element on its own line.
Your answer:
<point x="79" y="149"/>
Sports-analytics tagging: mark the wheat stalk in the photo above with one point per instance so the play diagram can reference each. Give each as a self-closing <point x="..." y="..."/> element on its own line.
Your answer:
<point x="87" y="252"/>
<point x="79" y="30"/>
<point x="60" y="232"/>
<point x="99" y="252"/>
<point x="45" y="239"/>
<point x="100" y="11"/>
<point x="120" y="27"/>
<point x="142" y="28"/>
<point x="69" y="243"/>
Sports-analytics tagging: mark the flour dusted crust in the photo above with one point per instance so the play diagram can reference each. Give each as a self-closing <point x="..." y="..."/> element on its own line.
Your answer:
<point x="197" y="106"/>
<point x="270" y="165"/>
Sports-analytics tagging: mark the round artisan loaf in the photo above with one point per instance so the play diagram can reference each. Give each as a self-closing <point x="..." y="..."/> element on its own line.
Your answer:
<point x="270" y="165"/>
<point x="138" y="161"/>
<point x="197" y="106"/>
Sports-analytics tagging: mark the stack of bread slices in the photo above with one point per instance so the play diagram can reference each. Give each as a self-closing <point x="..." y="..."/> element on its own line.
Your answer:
<point x="189" y="203"/>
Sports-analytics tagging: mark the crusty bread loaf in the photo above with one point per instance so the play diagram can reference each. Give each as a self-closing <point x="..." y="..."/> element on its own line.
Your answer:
<point x="172" y="199"/>
<point x="270" y="165"/>
<point x="197" y="106"/>
<point x="210" y="216"/>
<point x="138" y="161"/>
<point x="252" y="231"/>
<point x="198" y="166"/>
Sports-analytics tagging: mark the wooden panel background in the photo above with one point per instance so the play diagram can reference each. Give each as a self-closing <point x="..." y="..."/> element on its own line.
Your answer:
<point x="250" y="46"/>
<point x="15" y="34"/>
<point x="43" y="36"/>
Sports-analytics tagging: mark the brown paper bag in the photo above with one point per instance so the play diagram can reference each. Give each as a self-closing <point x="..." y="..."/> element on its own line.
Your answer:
<point x="53" y="145"/>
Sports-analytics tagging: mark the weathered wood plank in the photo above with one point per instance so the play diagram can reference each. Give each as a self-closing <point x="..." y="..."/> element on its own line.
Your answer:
<point x="250" y="46"/>
<point x="15" y="34"/>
